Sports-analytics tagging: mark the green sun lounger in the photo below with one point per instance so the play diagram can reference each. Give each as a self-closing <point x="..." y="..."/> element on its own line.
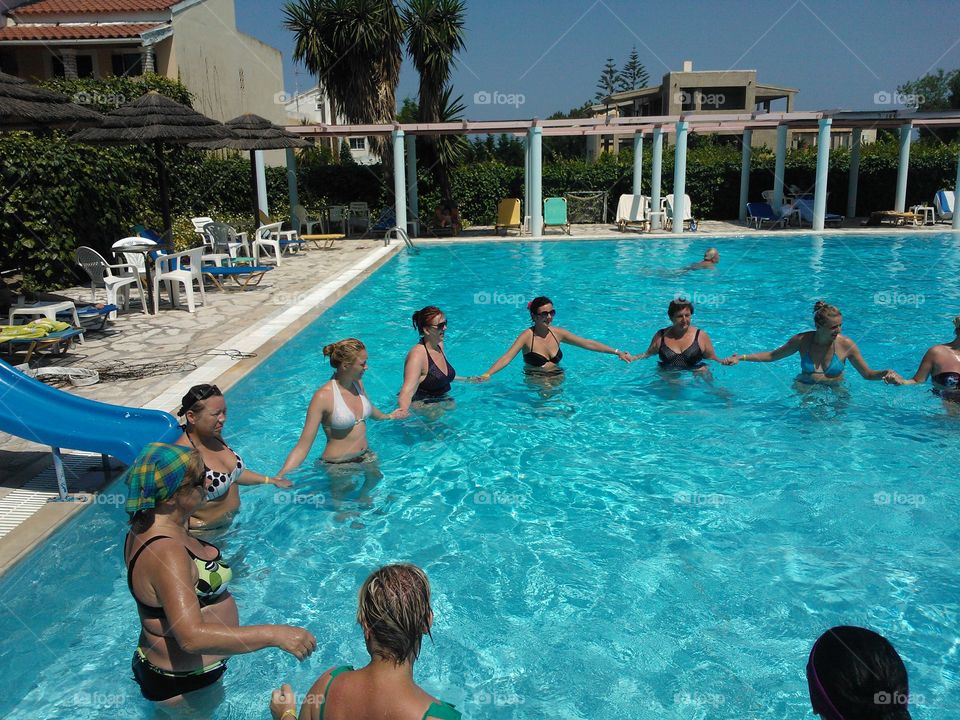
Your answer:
<point x="555" y="214"/>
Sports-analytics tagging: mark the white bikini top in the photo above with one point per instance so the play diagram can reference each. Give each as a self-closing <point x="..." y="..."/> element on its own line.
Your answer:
<point x="342" y="417"/>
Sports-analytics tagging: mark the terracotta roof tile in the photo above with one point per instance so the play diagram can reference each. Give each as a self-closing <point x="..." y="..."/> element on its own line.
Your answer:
<point x="74" y="32"/>
<point x="74" y="7"/>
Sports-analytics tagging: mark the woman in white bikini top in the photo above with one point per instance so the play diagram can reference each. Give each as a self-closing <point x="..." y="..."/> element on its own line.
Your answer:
<point x="341" y="407"/>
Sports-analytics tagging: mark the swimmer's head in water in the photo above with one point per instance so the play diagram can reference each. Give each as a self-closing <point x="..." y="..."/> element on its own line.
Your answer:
<point x="956" y="325"/>
<point x="394" y="612"/>
<point x="426" y="317"/>
<point x="535" y="305"/>
<point x="344" y="352"/>
<point x="855" y="674"/>
<point x="712" y="254"/>
<point x="678" y="305"/>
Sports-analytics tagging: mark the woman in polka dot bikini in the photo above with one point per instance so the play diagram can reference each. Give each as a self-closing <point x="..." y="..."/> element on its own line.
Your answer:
<point x="205" y="412"/>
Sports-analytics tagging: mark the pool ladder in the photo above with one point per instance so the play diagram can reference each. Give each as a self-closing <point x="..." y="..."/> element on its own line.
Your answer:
<point x="398" y="233"/>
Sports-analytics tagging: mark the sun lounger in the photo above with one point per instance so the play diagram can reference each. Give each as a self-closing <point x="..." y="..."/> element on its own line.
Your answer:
<point x="667" y="205"/>
<point x="555" y="214"/>
<point x="759" y="213"/>
<point x="508" y="216"/>
<point x="633" y="210"/>
<point x="253" y="275"/>
<point x="803" y="205"/>
<point x="92" y="317"/>
<point x="944" y="203"/>
<point x="878" y="217"/>
<point x="38" y="334"/>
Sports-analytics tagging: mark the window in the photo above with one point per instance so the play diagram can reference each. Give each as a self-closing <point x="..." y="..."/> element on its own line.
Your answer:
<point x="724" y="98"/>
<point x="84" y="66"/>
<point x="8" y="63"/>
<point x="129" y="64"/>
<point x="358" y="143"/>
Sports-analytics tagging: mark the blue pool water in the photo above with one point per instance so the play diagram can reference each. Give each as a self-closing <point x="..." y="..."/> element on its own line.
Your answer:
<point x="621" y="546"/>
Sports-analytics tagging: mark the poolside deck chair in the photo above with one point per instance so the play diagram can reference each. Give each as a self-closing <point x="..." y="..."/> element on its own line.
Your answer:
<point x="508" y="216"/>
<point x="666" y="206"/>
<point x="247" y="276"/>
<point x="306" y="223"/>
<point x="37" y="334"/>
<point x="359" y="218"/>
<point x="271" y="237"/>
<point x="759" y="213"/>
<point x="804" y="208"/>
<point x="944" y="204"/>
<point x="555" y="214"/>
<point x="182" y="268"/>
<point x="633" y="210"/>
<point x="116" y="280"/>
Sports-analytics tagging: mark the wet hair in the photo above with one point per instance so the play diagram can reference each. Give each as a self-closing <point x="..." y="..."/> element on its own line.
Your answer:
<point x="855" y="674"/>
<point x="425" y="316"/>
<point x="822" y="311"/>
<point x="710" y="254"/>
<point x="343" y="351"/>
<point x="394" y="607"/>
<point x="195" y="396"/>
<point x="193" y="476"/>
<point x="956" y="324"/>
<point x="678" y="304"/>
<point x="538" y="302"/>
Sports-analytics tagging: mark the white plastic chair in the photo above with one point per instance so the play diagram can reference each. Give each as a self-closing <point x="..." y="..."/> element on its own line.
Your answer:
<point x="359" y="216"/>
<point x="300" y="213"/>
<point x="172" y="270"/>
<point x="117" y="285"/>
<point x="135" y="259"/>
<point x="273" y="238"/>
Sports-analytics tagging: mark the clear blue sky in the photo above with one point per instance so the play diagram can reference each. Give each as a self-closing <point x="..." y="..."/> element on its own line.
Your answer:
<point x="838" y="54"/>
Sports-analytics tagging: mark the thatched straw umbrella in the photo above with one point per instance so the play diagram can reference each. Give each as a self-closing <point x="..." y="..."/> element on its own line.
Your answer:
<point x="158" y="120"/>
<point x="27" y="107"/>
<point x="253" y="133"/>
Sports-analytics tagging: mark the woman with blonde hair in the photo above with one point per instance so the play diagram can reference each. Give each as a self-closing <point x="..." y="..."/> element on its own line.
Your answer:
<point x="394" y="613"/>
<point x="341" y="406"/>
<point x="942" y="362"/>
<point x="823" y="352"/>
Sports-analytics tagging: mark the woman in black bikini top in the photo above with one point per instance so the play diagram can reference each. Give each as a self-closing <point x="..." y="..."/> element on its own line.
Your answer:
<point x="541" y="343"/>
<point x="424" y="381"/>
<point x="687" y="353"/>
<point x="942" y="364"/>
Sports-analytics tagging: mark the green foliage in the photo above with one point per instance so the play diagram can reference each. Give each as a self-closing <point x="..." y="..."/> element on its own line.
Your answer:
<point x="608" y="82"/>
<point x="346" y="157"/>
<point x="934" y="91"/>
<point x="109" y="93"/>
<point x="634" y="75"/>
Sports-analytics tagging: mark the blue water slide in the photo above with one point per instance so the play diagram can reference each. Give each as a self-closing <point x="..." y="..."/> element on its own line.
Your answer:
<point x="42" y="414"/>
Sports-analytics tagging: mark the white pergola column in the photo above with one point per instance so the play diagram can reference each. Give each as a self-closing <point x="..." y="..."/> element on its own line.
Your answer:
<point x="679" y="176"/>
<point x="525" y="215"/>
<point x="656" y="170"/>
<point x="823" y="164"/>
<point x="637" y="163"/>
<point x="903" y="166"/>
<point x="854" y="178"/>
<point x="262" y="204"/>
<point x="536" y="182"/>
<point x="956" y="187"/>
<point x="292" y="187"/>
<point x="399" y="180"/>
<point x="745" y="172"/>
<point x="413" y="198"/>
<point x="779" y="168"/>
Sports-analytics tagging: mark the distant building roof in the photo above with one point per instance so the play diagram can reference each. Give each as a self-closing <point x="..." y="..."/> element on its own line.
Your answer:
<point x="76" y="32"/>
<point x="75" y="7"/>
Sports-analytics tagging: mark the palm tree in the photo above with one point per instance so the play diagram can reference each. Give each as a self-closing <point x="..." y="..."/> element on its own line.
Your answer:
<point x="355" y="48"/>
<point x="434" y="30"/>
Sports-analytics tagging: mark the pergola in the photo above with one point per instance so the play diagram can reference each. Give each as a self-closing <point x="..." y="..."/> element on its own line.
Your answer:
<point x="405" y="159"/>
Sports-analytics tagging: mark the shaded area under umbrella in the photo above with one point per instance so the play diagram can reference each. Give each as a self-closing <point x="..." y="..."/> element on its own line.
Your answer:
<point x="252" y="133"/>
<point x="156" y="119"/>
<point x="24" y="106"/>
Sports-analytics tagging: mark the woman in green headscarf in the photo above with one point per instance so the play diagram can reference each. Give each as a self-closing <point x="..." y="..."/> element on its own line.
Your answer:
<point x="188" y="618"/>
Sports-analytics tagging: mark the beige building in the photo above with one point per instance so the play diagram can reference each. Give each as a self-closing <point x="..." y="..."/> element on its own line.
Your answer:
<point x="706" y="92"/>
<point x="195" y="41"/>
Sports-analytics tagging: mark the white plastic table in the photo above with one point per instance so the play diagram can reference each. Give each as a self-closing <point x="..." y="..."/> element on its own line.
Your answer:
<point x="926" y="213"/>
<point x="48" y="310"/>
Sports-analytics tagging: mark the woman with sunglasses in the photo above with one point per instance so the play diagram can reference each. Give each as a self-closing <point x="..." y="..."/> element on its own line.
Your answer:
<point x="427" y="374"/>
<point x="682" y="346"/>
<point x="204" y="411"/>
<point x="541" y="343"/>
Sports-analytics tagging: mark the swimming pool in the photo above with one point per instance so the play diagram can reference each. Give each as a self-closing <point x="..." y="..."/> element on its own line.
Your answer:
<point x="621" y="546"/>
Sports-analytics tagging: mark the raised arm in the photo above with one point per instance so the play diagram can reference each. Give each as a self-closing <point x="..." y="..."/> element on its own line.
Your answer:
<point x="170" y="577"/>
<point x="315" y="414"/>
<point x="788" y="348"/>
<point x="587" y="344"/>
<point x="706" y="344"/>
<point x="504" y="359"/>
<point x="414" y="369"/>
<point x="853" y="354"/>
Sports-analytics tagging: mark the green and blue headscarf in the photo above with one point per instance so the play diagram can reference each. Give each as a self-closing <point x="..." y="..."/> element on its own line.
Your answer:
<point x="155" y="475"/>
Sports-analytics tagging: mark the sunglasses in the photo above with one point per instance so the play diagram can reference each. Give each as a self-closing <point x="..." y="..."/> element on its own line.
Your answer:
<point x="547" y="313"/>
<point x="439" y="326"/>
<point x="196" y="394"/>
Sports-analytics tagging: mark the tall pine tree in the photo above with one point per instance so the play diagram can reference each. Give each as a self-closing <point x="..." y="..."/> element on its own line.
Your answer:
<point x="608" y="82"/>
<point x="634" y="74"/>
